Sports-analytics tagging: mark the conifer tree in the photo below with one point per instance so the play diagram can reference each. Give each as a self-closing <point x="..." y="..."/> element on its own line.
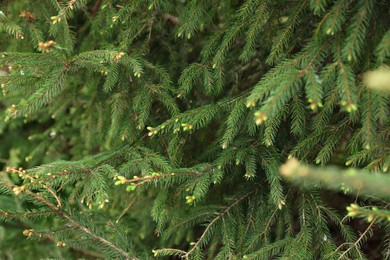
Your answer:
<point x="149" y="128"/>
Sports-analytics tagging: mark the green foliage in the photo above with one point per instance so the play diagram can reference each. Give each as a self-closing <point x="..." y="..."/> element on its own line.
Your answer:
<point x="351" y="180"/>
<point x="133" y="129"/>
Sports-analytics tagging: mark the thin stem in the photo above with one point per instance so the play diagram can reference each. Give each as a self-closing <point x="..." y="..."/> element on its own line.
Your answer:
<point x="357" y="241"/>
<point x="220" y="215"/>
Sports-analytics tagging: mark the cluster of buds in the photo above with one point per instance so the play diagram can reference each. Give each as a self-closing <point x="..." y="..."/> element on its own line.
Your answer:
<point x="260" y="118"/>
<point x="353" y="210"/>
<point x="22" y="174"/>
<point x="154" y="174"/>
<point x="314" y="104"/>
<point x="131" y="187"/>
<point x="55" y="19"/>
<point x="329" y="31"/>
<point x="18" y="190"/>
<point x="349" y="106"/>
<point x="18" y="171"/>
<point x="136" y="181"/>
<point x="250" y="104"/>
<point x="102" y="203"/>
<point x="176" y="130"/>
<point x="118" y="56"/>
<point x="61" y="244"/>
<point x="5" y="92"/>
<point x="137" y="74"/>
<point x="115" y="18"/>
<point x="28" y="232"/>
<point x="120" y="180"/>
<point x="249" y="175"/>
<point x="190" y="199"/>
<point x="186" y="127"/>
<point x="45" y="47"/>
<point x="180" y="35"/>
<point x="152" y="131"/>
<point x="89" y="204"/>
<point x="11" y="112"/>
<point x="281" y="203"/>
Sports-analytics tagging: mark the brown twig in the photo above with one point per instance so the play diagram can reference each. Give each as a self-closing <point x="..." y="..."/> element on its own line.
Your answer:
<point x="96" y="7"/>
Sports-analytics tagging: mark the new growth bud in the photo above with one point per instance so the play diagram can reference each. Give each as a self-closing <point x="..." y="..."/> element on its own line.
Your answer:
<point x="260" y="118"/>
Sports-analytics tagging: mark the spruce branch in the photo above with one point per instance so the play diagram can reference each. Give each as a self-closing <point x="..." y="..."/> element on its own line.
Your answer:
<point x="357" y="242"/>
<point x="282" y="39"/>
<point x="351" y="180"/>
<point x="10" y="27"/>
<point x="369" y="213"/>
<point x="218" y="217"/>
<point x="95" y="79"/>
<point x="127" y="208"/>
<point x="63" y="214"/>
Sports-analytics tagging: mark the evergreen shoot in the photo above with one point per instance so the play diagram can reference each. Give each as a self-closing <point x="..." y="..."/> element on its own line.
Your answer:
<point x="161" y="129"/>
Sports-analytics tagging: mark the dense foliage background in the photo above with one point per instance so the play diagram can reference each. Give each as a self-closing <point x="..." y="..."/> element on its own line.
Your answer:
<point x="133" y="129"/>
